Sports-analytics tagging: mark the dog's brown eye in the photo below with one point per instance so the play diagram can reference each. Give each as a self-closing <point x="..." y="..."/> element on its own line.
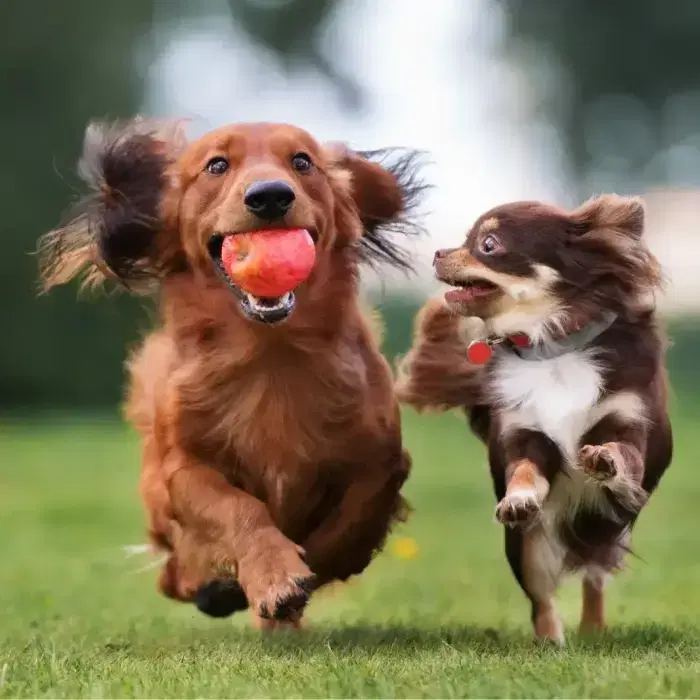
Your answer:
<point x="490" y="244"/>
<point x="217" y="166"/>
<point x="301" y="162"/>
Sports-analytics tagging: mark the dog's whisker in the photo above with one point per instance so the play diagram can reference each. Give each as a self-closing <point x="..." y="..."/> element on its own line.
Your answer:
<point x="132" y="550"/>
<point x="151" y="565"/>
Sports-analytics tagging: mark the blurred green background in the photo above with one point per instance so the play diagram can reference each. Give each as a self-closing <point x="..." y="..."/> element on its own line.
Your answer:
<point x="511" y="99"/>
<point x="609" y="92"/>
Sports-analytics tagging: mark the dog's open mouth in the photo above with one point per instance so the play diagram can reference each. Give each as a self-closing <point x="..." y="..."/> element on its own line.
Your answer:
<point x="268" y="309"/>
<point x="470" y="291"/>
<point x="257" y="308"/>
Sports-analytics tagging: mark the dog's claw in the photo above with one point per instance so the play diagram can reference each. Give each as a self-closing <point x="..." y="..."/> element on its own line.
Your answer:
<point x="288" y="603"/>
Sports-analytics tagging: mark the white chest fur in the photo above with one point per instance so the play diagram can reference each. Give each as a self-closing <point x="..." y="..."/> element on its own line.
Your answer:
<point x="555" y="396"/>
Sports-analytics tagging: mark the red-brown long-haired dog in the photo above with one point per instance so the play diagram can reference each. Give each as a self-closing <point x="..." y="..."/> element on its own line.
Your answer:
<point x="272" y="454"/>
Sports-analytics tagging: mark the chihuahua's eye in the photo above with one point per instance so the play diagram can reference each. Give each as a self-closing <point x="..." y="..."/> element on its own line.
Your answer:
<point x="217" y="166"/>
<point x="301" y="162"/>
<point x="490" y="244"/>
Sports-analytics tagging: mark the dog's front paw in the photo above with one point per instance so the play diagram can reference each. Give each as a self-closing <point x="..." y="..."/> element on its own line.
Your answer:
<point x="602" y="462"/>
<point x="519" y="508"/>
<point x="286" y="599"/>
<point x="276" y="580"/>
<point x="220" y="598"/>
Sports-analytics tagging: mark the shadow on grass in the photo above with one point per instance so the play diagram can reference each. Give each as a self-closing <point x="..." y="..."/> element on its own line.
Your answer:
<point x="657" y="639"/>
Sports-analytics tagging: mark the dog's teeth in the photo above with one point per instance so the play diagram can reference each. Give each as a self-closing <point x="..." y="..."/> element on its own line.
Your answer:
<point x="256" y="303"/>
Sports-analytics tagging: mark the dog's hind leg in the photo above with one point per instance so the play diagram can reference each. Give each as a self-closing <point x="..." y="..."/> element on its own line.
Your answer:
<point x="593" y="609"/>
<point x="155" y="497"/>
<point x="344" y="543"/>
<point x="537" y="561"/>
<point x="522" y="467"/>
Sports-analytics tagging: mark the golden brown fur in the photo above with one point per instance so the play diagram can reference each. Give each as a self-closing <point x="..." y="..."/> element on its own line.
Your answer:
<point x="272" y="455"/>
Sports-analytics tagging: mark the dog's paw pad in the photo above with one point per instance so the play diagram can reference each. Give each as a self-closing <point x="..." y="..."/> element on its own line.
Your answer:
<point x="518" y="508"/>
<point x="599" y="461"/>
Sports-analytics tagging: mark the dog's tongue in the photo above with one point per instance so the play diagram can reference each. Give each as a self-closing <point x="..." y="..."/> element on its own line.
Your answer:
<point x="269" y="263"/>
<point x="463" y="295"/>
<point x="466" y="294"/>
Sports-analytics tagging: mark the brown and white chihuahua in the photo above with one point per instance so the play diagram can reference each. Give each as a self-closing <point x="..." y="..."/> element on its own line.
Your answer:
<point x="549" y="341"/>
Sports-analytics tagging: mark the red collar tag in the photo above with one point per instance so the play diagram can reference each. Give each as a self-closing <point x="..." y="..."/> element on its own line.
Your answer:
<point x="479" y="352"/>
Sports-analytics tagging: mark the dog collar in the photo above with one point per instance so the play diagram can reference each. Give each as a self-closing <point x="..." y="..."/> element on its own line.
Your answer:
<point x="479" y="352"/>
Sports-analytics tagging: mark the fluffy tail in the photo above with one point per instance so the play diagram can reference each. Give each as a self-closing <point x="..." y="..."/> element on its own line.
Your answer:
<point x="435" y="374"/>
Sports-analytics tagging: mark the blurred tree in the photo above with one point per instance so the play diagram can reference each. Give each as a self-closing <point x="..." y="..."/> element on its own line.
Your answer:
<point x="293" y="30"/>
<point x="629" y="88"/>
<point x="64" y="62"/>
<point x="625" y="91"/>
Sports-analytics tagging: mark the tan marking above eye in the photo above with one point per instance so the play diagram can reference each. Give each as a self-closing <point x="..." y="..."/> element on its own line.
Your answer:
<point x="491" y="224"/>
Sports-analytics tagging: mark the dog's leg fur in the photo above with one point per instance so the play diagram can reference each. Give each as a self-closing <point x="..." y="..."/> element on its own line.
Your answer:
<point x="530" y="462"/>
<point x="435" y="375"/>
<point x="593" y="609"/>
<point x="155" y="497"/>
<point x="360" y="523"/>
<point x="526" y="490"/>
<point x="523" y="467"/>
<point x="543" y="565"/>
<point x="240" y="539"/>
<point x="613" y="453"/>
<point x="537" y="562"/>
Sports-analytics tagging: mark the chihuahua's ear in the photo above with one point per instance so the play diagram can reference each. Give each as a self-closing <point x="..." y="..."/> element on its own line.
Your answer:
<point x="612" y="212"/>
<point x="113" y="232"/>
<point x="386" y="188"/>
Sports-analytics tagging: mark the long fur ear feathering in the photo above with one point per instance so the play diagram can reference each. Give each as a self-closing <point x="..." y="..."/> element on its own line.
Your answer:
<point x="388" y="190"/>
<point x="611" y="227"/>
<point x="111" y="233"/>
<point x="612" y="212"/>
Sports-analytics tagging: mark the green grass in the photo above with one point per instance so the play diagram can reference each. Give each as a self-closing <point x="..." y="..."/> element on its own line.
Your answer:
<point x="78" y="620"/>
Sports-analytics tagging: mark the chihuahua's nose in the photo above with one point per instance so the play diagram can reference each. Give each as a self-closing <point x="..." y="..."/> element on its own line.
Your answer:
<point x="269" y="199"/>
<point x="441" y="253"/>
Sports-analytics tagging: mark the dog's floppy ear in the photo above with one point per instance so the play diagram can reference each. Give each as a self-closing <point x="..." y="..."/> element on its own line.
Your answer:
<point x="624" y="215"/>
<point x="386" y="188"/>
<point x="113" y="232"/>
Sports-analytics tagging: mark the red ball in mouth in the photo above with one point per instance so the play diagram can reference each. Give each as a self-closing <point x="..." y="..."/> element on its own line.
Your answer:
<point x="269" y="263"/>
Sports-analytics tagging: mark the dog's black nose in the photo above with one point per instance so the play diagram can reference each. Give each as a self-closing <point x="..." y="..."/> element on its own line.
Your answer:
<point x="269" y="199"/>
